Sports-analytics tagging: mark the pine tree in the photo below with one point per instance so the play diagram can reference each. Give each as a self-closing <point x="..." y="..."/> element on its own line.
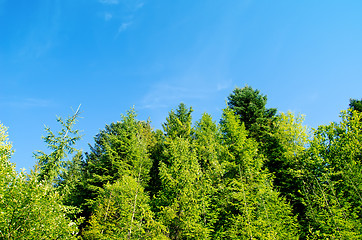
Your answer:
<point x="180" y="198"/>
<point x="122" y="212"/>
<point x="249" y="208"/>
<point x="120" y="149"/>
<point x="53" y="165"/>
<point x="209" y="152"/>
<point x="355" y="104"/>
<point x="293" y="138"/>
<point x="333" y="178"/>
<point x="178" y="124"/>
<point x="30" y="208"/>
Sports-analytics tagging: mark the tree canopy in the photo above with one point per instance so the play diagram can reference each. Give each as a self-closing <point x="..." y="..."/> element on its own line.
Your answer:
<point x="255" y="174"/>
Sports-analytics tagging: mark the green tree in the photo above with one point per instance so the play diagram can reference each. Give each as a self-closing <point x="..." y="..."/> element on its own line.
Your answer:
<point x="121" y="149"/>
<point x="333" y="180"/>
<point x="178" y="123"/>
<point x="277" y="137"/>
<point x="355" y="104"/>
<point x="293" y="138"/>
<point x="250" y="107"/>
<point x="30" y="208"/>
<point x="209" y="151"/>
<point x="180" y="199"/>
<point x="122" y="212"/>
<point x="249" y="207"/>
<point x="52" y="166"/>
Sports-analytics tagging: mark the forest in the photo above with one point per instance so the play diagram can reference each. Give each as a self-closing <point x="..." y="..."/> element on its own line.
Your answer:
<point x="256" y="173"/>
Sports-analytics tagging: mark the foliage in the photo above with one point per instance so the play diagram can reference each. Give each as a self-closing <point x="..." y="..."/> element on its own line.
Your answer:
<point x="178" y="124"/>
<point x="29" y="208"/>
<point x="250" y="106"/>
<point x="120" y="149"/>
<point x="180" y="199"/>
<point x="293" y="138"/>
<point x="249" y="206"/>
<point x="355" y="104"/>
<point x="333" y="179"/>
<point x="122" y="212"/>
<point x="255" y="175"/>
<point x="53" y="165"/>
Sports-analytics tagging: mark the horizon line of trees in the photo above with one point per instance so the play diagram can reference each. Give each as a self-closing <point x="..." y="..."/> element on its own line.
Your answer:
<point x="255" y="174"/>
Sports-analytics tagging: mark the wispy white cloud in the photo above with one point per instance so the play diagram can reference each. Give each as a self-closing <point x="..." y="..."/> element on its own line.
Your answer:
<point x="163" y="95"/>
<point x="123" y="11"/>
<point x="27" y="103"/>
<point x="139" y="5"/>
<point x="124" y="26"/>
<point x="110" y="2"/>
<point x="223" y="85"/>
<point x="108" y="16"/>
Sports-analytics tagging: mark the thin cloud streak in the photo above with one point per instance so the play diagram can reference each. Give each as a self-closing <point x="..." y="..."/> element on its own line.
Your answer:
<point x="107" y="16"/>
<point x="224" y="85"/>
<point x="124" y="26"/>
<point x="109" y="2"/>
<point x="164" y="95"/>
<point x="28" y="103"/>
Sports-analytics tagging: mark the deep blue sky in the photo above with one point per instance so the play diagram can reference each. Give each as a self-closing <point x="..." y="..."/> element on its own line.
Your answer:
<point x="109" y="55"/>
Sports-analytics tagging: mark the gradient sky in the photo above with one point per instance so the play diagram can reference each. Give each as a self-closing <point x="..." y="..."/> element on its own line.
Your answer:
<point x="109" y="55"/>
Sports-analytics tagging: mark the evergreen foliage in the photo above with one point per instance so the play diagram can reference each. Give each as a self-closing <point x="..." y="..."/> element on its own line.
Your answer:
<point x="255" y="175"/>
<point x="332" y="182"/>
<point x="53" y="165"/>
<point x="292" y="136"/>
<point x="180" y="197"/>
<point x="178" y="124"/>
<point x="122" y="212"/>
<point x="250" y="107"/>
<point x="30" y="208"/>
<point x="120" y="149"/>
<point x="355" y="104"/>
<point x="250" y="207"/>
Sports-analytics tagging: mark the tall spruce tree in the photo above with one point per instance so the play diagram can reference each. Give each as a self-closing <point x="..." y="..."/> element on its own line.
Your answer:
<point x="122" y="211"/>
<point x="180" y="199"/>
<point x="355" y="104"/>
<point x="270" y="131"/>
<point x="53" y="166"/>
<point x="293" y="138"/>
<point x="249" y="207"/>
<point x="333" y="180"/>
<point x="30" y="208"/>
<point x="178" y="123"/>
<point x="209" y="151"/>
<point x="121" y="149"/>
<point x="250" y="107"/>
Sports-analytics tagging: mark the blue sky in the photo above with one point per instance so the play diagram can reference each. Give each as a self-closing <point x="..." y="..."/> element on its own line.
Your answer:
<point x="109" y="55"/>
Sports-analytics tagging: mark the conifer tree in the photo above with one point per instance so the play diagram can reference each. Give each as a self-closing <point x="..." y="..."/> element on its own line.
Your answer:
<point x="293" y="138"/>
<point x="29" y="208"/>
<point x="355" y="104"/>
<point x="209" y="152"/>
<point x="281" y="139"/>
<point x="333" y="180"/>
<point x="120" y="149"/>
<point x="180" y="198"/>
<point x="178" y="123"/>
<point x="250" y="208"/>
<point x="250" y="107"/>
<point x="53" y="165"/>
<point x="122" y="212"/>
